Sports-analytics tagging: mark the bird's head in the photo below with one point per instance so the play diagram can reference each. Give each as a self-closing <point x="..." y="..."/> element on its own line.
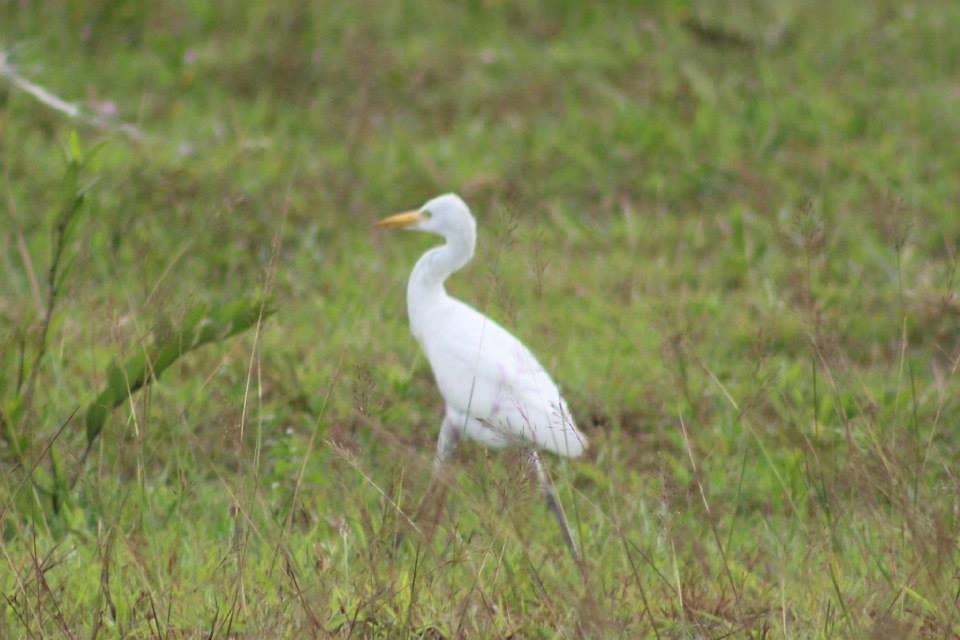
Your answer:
<point x="447" y="215"/>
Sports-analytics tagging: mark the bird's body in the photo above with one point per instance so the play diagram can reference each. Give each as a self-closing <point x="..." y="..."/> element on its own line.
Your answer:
<point x="495" y="390"/>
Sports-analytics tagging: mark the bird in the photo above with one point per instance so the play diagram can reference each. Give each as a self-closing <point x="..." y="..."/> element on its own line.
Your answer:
<point x="495" y="391"/>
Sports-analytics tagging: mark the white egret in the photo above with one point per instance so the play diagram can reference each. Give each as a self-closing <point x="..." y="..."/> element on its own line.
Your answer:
<point x="496" y="392"/>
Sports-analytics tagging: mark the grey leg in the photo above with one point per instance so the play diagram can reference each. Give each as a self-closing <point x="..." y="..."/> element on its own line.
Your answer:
<point x="436" y="494"/>
<point x="447" y="445"/>
<point x="553" y="502"/>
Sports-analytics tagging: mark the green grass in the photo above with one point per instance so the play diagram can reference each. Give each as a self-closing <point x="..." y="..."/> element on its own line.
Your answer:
<point x="728" y="229"/>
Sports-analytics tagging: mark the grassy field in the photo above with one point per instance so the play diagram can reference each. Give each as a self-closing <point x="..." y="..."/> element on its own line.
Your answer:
<point x="729" y="229"/>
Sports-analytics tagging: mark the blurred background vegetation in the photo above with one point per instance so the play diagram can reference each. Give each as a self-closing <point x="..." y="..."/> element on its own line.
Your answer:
<point x="728" y="228"/>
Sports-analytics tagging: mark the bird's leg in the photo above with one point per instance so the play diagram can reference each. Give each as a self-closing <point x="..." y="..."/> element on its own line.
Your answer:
<point x="553" y="502"/>
<point x="447" y="445"/>
<point x="436" y="494"/>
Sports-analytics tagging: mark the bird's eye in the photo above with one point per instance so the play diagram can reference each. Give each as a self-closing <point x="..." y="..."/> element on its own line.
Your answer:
<point x="426" y="214"/>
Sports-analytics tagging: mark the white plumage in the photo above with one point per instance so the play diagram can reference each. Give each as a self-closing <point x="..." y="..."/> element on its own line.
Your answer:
<point x="496" y="392"/>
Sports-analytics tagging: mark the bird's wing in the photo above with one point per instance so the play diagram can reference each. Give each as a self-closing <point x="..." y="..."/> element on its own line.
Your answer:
<point x="487" y="375"/>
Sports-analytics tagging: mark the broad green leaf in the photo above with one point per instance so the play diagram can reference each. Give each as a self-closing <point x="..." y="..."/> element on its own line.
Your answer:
<point x="201" y="325"/>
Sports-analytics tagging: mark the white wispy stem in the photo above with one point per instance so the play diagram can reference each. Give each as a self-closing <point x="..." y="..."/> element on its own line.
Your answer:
<point x="56" y="103"/>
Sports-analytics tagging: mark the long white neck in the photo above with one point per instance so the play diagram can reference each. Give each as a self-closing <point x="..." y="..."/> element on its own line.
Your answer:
<point x="425" y="287"/>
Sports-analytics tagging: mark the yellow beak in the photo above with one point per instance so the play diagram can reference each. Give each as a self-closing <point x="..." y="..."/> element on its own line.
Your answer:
<point x="400" y="220"/>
